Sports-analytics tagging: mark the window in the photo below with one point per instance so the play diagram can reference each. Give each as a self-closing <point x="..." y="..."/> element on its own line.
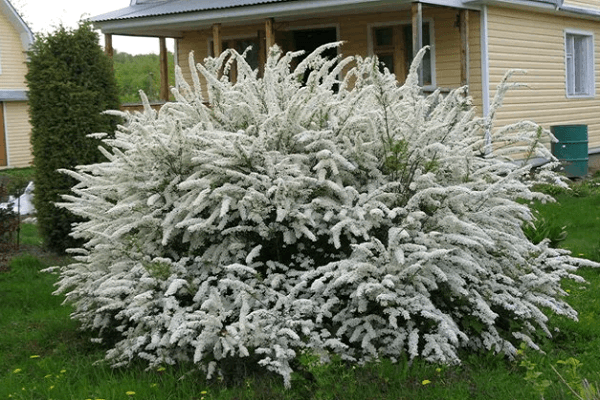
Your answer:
<point x="579" y="58"/>
<point x="393" y="47"/>
<point x="240" y="45"/>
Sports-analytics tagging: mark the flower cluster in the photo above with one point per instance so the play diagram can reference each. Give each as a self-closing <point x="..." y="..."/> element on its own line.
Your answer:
<point x="338" y="214"/>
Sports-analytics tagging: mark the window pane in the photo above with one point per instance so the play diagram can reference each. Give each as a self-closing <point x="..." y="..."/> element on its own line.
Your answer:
<point x="384" y="36"/>
<point x="426" y="63"/>
<point x="252" y="55"/>
<point x="386" y="61"/>
<point x="579" y="64"/>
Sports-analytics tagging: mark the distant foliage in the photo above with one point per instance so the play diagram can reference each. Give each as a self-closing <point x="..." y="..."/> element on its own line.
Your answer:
<point x="341" y="216"/>
<point x="139" y="72"/>
<point x="70" y="84"/>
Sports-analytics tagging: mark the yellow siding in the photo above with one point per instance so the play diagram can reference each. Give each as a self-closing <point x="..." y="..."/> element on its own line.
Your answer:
<point x="18" y="132"/>
<point x="353" y="30"/>
<point x="535" y="42"/>
<point x="475" y="59"/>
<point x="583" y="3"/>
<point x="12" y="57"/>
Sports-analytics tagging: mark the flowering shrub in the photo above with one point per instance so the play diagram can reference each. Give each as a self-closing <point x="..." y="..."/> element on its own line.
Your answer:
<point x="343" y="216"/>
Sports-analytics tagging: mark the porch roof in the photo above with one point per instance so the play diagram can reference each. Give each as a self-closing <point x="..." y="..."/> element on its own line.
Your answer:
<point x="172" y="17"/>
<point x="166" y="7"/>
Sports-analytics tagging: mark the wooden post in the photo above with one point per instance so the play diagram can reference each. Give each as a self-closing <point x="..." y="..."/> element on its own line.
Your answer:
<point x="164" y="70"/>
<point x="262" y="52"/>
<point x="464" y="47"/>
<point x="217" y="45"/>
<point x="417" y="33"/>
<point x="269" y="34"/>
<point x="108" y="47"/>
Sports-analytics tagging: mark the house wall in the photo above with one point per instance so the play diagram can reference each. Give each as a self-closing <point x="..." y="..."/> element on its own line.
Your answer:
<point x="12" y="57"/>
<point x="354" y="31"/>
<point x="583" y="3"/>
<point x="535" y="42"/>
<point x="18" y="131"/>
<point x="13" y="67"/>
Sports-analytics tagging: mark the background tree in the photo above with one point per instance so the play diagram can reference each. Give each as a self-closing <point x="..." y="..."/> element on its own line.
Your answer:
<point x="71" y="83"/>
<point x="141" y="71"/>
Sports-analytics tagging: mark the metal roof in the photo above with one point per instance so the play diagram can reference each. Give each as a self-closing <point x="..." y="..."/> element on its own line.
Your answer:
<point x="176" y="7"/>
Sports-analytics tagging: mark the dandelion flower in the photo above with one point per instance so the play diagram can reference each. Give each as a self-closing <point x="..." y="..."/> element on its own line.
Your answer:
<point x="130" y="393"/>
<point x="203" y="392"/>
<point x="16" y="371"/>
<point x="426" y="382"/>
<point x="62" y="371"/>
<point x="34" y="356"/>
<point x="51" y="387"/>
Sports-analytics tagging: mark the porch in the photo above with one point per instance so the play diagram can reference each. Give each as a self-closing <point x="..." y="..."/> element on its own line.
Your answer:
<point x="394" y="32"/>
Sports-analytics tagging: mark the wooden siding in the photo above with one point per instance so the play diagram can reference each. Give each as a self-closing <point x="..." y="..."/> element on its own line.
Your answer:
<point x="535" y="42"/>
<point x="12" y="57"/>
<point x="3" y="149"/>
<point x="354" y="31"/>
<point x="18" y="133"/>
<point x="595" y="4"/>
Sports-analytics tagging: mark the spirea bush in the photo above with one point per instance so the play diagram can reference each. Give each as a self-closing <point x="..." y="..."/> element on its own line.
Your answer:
<point x="346" y="215"/>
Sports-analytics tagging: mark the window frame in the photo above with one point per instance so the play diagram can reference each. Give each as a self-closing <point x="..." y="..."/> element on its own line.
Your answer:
<point x="571" y="64"/>
<point x="399" y="24"/>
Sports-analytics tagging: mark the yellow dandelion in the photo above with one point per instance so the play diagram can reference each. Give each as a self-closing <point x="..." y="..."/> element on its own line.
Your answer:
<point x="203" y="392"/>
<point x="130" y="393"/>
<point x="161" y="369"/>
<point x="62" y="371"/>
<point x="438" y="370"/>
<point x="51" y="387"/>
<point x="48" y="376"/>
<point x="16" y="371"/>
<point x="426" y="382"/>
<point x="34" y="356"/>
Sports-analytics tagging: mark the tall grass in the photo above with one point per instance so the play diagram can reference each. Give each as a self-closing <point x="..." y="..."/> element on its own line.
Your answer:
<point x="43" y="355"/>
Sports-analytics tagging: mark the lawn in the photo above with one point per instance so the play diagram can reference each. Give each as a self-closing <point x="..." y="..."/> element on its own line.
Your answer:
<point x="43" y="355"/>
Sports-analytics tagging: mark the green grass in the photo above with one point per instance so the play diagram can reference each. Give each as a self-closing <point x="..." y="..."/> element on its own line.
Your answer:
<point x="25" y="173"/>
<point x="43" y="355"/>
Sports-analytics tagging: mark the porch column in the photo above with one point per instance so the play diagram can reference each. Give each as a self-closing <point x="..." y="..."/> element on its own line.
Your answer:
<point x="464" y="47"/>
<point x="262" y="52"/>
<point x="217" y="45"/>
<point x="269" y="33"/>
<point x="108" y="47"/>
<point x="164" y="70"/>
<point x="417" y="33"/>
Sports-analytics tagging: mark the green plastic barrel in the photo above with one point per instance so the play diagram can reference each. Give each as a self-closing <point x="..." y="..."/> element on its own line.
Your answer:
<point x="572" y="148"/>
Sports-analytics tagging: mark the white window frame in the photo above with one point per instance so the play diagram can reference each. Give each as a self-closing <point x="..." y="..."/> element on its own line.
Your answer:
<point x="586" y="65"/>
<point x="371" y="51"/>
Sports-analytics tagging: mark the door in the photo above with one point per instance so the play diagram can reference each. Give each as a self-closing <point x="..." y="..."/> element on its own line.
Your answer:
<point x="3" y="155"/>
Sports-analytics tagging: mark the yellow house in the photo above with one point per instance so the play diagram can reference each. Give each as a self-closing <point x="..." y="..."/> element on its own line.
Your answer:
<point x="15" y="130"/>
<point x="473" y="42"/>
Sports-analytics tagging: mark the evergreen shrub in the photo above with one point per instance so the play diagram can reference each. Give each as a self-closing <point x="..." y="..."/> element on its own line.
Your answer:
<point x="346" y="216"/>
<point x="71" y="83"/>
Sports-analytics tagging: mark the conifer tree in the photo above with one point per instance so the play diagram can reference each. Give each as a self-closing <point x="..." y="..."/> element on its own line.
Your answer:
<point x="71" y="83"/>
<point x="347" y="216"/>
